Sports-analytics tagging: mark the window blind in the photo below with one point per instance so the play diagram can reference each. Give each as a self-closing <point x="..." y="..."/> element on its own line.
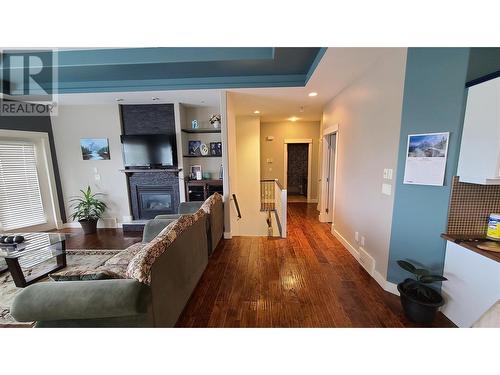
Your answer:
<point x="20" y="198"/>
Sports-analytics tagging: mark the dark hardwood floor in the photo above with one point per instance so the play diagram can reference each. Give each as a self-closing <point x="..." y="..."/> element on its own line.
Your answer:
<point x="306" y="280"/>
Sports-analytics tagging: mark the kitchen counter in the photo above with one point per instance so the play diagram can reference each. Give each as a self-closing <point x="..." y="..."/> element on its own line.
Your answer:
<point x="473" y="285"/>
<point x="470" y="242"/>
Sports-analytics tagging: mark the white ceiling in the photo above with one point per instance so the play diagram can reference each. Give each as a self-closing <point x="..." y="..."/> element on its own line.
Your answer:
<point x="337" y="69"/>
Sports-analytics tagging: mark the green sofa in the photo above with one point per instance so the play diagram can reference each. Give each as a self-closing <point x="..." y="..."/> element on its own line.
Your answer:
<point x="215" y="228"/>
<point x="152" y="280"/>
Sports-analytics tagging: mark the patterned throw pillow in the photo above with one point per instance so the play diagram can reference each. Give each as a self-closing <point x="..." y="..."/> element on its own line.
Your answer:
<point x="100" y="273"/>
<point x="139" y="267"/>
<point x="124" y="257"/>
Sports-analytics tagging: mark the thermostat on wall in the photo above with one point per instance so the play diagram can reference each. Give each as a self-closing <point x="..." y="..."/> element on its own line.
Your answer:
<point x="270" y="138"/>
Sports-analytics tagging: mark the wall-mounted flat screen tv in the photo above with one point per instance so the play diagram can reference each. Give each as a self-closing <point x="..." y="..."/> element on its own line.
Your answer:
<point x="155" y="150"/>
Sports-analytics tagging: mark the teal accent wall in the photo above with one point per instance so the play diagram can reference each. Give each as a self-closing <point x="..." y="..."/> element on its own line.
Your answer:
<point x="434" y="101"/>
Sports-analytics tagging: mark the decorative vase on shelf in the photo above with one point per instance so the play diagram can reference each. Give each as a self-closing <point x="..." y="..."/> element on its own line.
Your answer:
<point x="215" y="121"/>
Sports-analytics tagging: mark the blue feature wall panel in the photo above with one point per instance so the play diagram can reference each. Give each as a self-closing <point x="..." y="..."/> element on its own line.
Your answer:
<point x="434" y="101"/>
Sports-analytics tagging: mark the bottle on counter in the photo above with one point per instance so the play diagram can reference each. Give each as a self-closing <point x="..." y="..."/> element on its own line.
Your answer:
<point x="494" y="227"/>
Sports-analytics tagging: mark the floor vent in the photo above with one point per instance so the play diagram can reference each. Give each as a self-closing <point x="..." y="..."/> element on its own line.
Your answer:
<point x="366" y="260"/>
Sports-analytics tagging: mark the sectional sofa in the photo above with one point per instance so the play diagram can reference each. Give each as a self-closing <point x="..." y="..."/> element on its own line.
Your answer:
<point x="146" y="285"/>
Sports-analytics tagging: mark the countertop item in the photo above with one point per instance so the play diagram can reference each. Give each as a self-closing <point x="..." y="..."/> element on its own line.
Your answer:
<point x="471" y="242"/>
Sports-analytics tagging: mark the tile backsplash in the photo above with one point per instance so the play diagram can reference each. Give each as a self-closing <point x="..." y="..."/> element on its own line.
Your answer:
<point x="470" y="207"/>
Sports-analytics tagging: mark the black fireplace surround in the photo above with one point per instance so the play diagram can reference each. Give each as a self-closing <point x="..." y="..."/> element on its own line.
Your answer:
<point x="153" y="193"/>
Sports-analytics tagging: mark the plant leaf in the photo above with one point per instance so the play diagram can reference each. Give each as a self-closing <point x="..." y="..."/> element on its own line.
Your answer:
<point x="432" y="278"/>
<point x="87" y="206"/>
<point x="407" y="266"/>
<point x="421" y="272"/>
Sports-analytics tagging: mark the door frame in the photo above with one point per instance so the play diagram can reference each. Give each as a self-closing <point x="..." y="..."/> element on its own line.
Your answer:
<point x="328" y="131"/>
<point x="309" y="162"/>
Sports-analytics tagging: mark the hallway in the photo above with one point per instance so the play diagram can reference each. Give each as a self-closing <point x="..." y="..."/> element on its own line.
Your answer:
<point x="306" y="280"/>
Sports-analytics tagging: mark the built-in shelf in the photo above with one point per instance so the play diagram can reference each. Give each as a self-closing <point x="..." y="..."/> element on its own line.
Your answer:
<point x="201" y="130"/>
<point x="154" y="170"/>
<point x="202" y="156"/>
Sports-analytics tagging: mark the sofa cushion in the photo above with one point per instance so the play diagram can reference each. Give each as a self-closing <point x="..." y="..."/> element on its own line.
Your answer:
<point x="139" y="267"/>
<point x="100" y="273"/>
<point x="124" y="257"/>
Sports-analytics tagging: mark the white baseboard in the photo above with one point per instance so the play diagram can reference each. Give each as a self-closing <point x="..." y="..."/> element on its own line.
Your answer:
<point x="385" y="284"/>
<point x="228" y="235"/>
<point x="377" y="276"/>
<point x="391" y="288"/>
<point x="346" y="243"/>
<point x="72" y="224"/>
<point x="322" y="217"/>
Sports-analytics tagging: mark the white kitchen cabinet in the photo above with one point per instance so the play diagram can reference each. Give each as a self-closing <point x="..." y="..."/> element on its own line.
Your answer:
<point x="473" y="285"/>
<point x="479" y="160"/>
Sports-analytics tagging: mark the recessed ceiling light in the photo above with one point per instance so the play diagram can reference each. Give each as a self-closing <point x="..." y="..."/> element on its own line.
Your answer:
<point x="313" y="94"/>
<point x="293" y="119"/>
<point x="155" y="98"/>
<point x="256" y="112"/>
<point x="119" y="99"/>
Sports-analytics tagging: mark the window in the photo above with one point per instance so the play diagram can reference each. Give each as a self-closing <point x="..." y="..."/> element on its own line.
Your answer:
<point x="20" y="198"/>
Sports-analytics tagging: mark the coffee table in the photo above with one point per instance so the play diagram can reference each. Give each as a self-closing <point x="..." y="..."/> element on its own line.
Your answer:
<point x="38" y="248"/>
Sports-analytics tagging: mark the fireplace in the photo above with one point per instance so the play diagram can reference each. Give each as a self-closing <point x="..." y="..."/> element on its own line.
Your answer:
<point x="153" y="194"/>
<point x="154" y="200"/>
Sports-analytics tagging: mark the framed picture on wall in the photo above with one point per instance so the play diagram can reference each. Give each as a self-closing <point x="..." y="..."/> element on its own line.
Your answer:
<point x="426" y="156"/>
<point x="216" y="148"/>
<point x="95" y="148"/>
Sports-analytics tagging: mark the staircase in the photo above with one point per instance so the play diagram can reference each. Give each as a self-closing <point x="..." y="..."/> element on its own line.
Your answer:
<point x="273" y="200"/>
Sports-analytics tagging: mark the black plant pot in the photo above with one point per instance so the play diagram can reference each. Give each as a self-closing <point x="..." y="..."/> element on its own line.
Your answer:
<point x="418" y="311"/>
<point x="89" y="226"/>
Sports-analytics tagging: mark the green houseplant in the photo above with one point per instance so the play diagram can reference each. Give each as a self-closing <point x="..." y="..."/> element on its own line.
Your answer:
<point x="420" y="302"/>
<point x="88" y="209"/>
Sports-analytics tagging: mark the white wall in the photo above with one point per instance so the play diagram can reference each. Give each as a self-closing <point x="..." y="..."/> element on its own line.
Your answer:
<point x="368" y="112"/>
<point x="244" y="171"/>
<point x="275" y="149"/>
<point x="91" y="121"/>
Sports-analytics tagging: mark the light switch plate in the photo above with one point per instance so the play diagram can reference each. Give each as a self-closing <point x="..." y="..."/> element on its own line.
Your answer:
<point x="388" y="173"/>
<point x="386" y="189"/>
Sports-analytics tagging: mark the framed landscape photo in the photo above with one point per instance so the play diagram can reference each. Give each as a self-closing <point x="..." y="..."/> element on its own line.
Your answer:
<point x="95" y="148"/>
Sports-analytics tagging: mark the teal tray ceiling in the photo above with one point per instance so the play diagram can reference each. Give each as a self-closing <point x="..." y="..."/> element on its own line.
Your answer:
<point x="143" y="69"/>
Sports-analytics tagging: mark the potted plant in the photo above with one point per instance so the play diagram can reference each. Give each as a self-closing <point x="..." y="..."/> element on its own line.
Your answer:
<point x="215" y="121"/>
<point x="88" y="210"/>
<point x="420" y="302"/>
